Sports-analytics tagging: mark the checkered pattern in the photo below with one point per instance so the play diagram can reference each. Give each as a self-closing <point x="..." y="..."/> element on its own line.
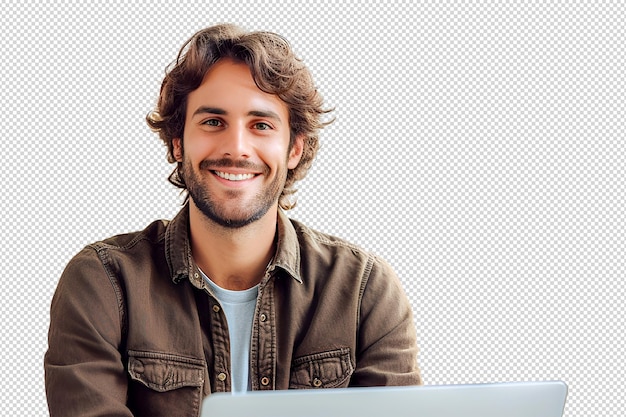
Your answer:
<point x="478" y="147"/>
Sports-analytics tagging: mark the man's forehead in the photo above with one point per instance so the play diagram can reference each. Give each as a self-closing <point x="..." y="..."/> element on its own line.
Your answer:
<point x="227" y="87"/>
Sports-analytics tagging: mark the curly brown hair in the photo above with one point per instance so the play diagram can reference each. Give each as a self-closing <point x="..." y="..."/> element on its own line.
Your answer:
<point x="275" y="70"/>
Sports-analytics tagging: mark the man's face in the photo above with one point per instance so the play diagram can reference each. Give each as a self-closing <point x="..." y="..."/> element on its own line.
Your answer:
<point x="236" y="147"/>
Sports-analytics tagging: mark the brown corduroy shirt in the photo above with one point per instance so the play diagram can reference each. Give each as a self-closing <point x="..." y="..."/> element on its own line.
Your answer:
<point x="134" y="329"/>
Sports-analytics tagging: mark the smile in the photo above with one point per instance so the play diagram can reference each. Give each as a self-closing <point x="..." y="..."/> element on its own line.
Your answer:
<point x="233" y="177"/>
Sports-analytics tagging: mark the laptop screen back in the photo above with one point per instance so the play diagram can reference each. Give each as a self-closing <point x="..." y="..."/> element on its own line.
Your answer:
<point x="515" y="399"/>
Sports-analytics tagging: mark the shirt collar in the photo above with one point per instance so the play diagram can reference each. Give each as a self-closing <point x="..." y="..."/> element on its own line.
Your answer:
<point x="180" y="260"/>
<point x="178" y="247"/>
<point x="287" y="248"/>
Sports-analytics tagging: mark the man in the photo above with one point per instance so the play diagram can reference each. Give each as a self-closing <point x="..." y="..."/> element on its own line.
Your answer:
<point x="230" y="295"/>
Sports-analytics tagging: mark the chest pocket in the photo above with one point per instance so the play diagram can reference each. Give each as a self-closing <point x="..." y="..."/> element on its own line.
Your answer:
<point x="164" y="372"/>
<point x="330" y="369"/>
<point x="164" y="384"/>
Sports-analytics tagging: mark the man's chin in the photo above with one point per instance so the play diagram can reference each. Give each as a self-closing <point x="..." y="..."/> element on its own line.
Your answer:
<point x="232" y="221"/>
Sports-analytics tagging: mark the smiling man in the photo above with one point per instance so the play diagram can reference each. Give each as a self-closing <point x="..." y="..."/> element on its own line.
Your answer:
<point x="231" y="295"/>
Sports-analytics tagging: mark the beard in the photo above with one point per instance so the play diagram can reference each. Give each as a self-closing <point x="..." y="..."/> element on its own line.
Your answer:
<point x="247" y="211"/>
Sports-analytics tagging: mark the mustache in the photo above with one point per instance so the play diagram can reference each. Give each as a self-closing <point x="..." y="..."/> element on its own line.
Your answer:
<point x="212" y="164"/>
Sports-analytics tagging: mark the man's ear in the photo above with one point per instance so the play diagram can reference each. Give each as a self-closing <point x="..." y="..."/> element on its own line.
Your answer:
<point x="178" y="149"/>
<point x="295" y="154"/>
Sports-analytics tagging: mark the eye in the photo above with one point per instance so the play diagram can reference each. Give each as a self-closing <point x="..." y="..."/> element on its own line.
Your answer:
<point x="262" y="126"/>
<point x="212" y="122"/>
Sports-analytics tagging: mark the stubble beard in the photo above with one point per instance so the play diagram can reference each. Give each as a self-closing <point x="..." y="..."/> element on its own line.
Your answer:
<point x="217" y="213"/>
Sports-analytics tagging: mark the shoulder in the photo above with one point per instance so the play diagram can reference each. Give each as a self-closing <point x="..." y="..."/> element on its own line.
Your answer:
<point x="105" y="256"/>
<point x="336" y="249"/>
<point x="309" y="236"/>
<point x="154" y="233"/>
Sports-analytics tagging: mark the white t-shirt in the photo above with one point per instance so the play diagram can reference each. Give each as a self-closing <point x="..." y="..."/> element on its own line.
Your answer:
<point x="239" y="309"/>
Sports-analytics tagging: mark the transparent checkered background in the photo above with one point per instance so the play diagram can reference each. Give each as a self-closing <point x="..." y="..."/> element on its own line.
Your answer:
<point x="478" y="147"/>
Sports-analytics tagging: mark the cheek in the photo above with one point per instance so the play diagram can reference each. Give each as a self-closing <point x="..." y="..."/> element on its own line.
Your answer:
<point x="271" y="154"/>
<point x="196" y="149"/>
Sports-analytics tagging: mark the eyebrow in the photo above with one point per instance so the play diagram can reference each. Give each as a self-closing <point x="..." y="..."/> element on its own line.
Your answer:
<point x="257" y="113"/>
<point x="209" y="110"/>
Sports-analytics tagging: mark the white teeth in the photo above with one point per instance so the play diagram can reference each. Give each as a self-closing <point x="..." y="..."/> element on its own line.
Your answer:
<point x="233" y="177"/>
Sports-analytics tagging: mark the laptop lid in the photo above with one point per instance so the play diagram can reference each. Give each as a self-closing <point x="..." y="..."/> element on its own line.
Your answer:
<point x="510" y="399"/>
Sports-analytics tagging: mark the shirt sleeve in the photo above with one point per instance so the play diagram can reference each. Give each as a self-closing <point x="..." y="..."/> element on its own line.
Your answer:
<point x="387" y="350"/>
<point x="84" y="369"/>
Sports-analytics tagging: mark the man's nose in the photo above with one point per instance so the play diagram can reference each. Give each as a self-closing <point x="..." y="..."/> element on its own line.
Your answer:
<point x="236" y="143"/>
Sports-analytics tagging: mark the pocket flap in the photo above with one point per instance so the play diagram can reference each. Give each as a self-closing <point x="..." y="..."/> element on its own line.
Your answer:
<point x="322" y="370"/>
<point x="164" y="372"/>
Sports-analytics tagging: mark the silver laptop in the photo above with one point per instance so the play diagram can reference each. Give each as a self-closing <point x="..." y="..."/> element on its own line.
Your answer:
<point x="510" y="399"/>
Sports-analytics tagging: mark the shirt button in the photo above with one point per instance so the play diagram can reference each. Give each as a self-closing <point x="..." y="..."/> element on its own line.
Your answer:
<point x="221" y="376"/>
<point x="263" y="317"/>
<point x="317" y="382"/>
<point x="265" y="381"/>
<point x="216" y="308"/>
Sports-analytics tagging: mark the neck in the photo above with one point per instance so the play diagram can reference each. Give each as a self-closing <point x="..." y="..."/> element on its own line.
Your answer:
<point x="234" y="259"/>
